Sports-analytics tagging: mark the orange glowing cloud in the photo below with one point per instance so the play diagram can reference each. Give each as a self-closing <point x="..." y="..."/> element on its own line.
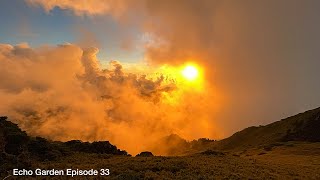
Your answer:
<point x="62" y="93"/>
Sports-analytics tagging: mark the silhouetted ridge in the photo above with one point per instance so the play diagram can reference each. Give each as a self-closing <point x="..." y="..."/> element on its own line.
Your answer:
<point x="305" y="130"/>
<point x="301" y="127"/>
<point x="99" y="147"/>
<point x="173" y="145"/>
<point x="17" y="149"/>
<point x="145" y="154"/>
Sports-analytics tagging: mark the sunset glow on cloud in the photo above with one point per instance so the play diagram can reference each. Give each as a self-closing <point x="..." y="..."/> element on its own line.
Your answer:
<point x="123" y="70"/>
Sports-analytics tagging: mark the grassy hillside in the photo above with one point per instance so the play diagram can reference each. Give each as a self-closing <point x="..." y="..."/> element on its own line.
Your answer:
<point x="273" y="166"/>
<point x="301" y="127"/>
<point x="18" y="150"/>
<point x="287" y="149"/>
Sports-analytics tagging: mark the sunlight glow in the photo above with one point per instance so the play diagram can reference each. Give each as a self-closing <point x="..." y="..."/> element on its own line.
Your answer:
<point x="190" y="72"/>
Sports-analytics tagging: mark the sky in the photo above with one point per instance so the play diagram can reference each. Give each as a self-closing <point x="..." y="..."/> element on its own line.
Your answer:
<point x="33" y="25"/>
<point x="258" y="63"/>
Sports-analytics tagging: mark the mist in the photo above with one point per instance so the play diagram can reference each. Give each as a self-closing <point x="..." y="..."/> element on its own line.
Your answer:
<point x="62" y="93"/>
<point x="260" y="55"/>
<point x="260" y="61"/>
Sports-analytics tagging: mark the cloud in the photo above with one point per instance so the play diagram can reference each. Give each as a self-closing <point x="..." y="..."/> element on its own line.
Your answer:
<point x="62" y="93"/>
<point x="83" y="7"/>
<point x="259" y="57"/>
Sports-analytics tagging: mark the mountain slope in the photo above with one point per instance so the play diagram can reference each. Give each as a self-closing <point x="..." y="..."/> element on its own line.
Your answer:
<point x="301" y="127"/>
<point x="18" y="150"/>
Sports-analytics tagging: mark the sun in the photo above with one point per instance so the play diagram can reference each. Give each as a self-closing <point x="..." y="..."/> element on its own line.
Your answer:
<point x="190" y="72"/>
